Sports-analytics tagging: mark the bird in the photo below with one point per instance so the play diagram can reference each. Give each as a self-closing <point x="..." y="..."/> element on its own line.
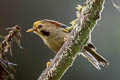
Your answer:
<point x="53" y="34"/>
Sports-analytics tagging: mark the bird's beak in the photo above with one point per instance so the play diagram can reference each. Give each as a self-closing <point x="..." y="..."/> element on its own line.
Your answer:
<point x="31" y="30"/>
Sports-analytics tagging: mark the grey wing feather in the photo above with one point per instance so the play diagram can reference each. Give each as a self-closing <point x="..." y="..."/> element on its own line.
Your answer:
<point x="89" y="52"/>
<point x="91" y="59"/>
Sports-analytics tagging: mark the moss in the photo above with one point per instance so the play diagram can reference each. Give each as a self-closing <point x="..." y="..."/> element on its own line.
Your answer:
<point x="87" y="17"/>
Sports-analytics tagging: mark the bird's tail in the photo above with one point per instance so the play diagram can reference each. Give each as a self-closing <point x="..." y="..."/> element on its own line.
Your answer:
<point x="94" y="57"/>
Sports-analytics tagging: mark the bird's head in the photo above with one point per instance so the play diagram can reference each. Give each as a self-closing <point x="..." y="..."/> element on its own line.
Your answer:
<point x="51" y="32"/>
<point x="45" y="27"/>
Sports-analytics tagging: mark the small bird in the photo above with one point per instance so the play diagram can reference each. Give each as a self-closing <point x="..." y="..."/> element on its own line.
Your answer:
<point x="53" y="34"/>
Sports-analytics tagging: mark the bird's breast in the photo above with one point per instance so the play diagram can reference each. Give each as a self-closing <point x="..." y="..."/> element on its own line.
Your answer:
<point x="55" y="41"/>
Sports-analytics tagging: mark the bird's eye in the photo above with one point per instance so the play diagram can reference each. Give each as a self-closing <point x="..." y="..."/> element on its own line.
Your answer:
<point x="39" y="26"/>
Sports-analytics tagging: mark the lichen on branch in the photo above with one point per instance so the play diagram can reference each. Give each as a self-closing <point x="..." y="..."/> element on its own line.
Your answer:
<point x="87" y="16"/>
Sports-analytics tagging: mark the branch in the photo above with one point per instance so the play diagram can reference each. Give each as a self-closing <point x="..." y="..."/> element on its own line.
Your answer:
<point x="78" y="38"/>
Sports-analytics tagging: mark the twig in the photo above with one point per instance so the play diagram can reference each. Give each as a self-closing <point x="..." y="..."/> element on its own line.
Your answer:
<point x="79" y="36"/>
<point x="5" y="45"/>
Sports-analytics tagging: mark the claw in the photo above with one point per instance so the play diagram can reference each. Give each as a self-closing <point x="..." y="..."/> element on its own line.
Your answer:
<point x="48" y="64"/>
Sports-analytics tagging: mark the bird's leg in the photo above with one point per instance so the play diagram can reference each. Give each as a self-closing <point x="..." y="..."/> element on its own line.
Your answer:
<point x="48" y="63"/>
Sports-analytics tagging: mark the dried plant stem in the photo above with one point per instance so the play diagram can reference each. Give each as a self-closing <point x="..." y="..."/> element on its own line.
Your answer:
<point x="5" y="45"/>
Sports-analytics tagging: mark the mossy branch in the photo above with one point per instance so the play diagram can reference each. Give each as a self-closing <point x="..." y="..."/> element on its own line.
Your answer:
<point x="78" y="38"/>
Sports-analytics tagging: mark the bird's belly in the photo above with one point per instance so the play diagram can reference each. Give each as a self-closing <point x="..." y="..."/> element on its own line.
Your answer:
<point x="54" y="43"/>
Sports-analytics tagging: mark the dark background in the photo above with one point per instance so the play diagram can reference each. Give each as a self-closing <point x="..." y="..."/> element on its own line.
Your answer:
<point x="32" y="59"/>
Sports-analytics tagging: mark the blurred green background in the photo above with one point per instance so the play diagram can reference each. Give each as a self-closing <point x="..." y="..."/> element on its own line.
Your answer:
<point x="32" y="59"/>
